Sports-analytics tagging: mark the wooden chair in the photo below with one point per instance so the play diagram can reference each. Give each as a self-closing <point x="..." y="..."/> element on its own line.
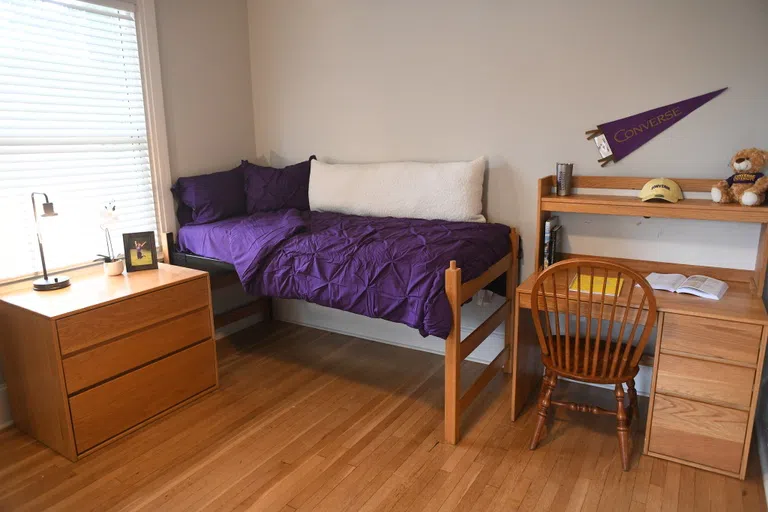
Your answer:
<point x="587" y="352"/>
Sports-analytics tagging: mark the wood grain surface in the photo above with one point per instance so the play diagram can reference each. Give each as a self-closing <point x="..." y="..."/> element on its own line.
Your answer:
<point x="694" y="209"/>
<point x="739" y="304"/>
<point x="110" y="408"/>
<point x="314" y="421"/>
<point x="89" y="328"/>
<point x="715" y="383"/>
<point x="637" y="183"/>
<point x="728" y="341"/>
<point x="698" y="432"/>
<point x="97" y="364"/>
<point x="90" y="288"/>
<point x="37" y="393"/>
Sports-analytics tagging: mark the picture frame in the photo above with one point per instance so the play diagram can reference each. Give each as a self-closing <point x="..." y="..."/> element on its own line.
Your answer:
<point x="140" y="251"/>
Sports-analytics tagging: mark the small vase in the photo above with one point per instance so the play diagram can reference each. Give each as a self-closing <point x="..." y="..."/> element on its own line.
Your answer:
<point x="113" y="268"/>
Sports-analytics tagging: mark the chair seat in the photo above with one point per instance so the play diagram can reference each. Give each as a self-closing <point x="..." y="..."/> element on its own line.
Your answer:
<point x="583" y="374"/>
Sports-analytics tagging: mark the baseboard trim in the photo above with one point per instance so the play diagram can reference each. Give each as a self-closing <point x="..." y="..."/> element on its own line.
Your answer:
<point x="327" y="319"/>
<point x="377" y="339"/>
<point x="390" y="333"/>
<point x="5" y="408"/>
<point x="610" y="387"/>
<point x="239" y="325"/>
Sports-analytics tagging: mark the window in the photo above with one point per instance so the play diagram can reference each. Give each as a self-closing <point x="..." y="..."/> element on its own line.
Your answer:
<point x="72" y="125"/>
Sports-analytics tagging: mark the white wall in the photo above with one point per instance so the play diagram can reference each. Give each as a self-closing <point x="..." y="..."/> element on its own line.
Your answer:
<point x="206" y="84"/>
<point x="205" y="66"/>
<point x="519" y="82"/>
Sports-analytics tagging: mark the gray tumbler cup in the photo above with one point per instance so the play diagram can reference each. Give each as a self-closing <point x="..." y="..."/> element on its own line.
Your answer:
<point x="563" y="175"/>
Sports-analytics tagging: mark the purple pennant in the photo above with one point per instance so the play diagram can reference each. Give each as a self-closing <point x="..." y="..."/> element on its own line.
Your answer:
<point x="617" y="139"/>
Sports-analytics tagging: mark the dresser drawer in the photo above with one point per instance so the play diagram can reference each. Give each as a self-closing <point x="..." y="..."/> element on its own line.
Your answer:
<point x="87" y="368"/>
<point x="115" y="406"/>
<point x="696" y="432"/>
<point x="95" y="326"/>
<point x="731" y="341"/>
<point x="716" y="383"/>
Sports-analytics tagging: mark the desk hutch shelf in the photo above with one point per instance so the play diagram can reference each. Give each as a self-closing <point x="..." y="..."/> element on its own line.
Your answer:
<point x="709" y="354"/>
<point x="631" y="206"/>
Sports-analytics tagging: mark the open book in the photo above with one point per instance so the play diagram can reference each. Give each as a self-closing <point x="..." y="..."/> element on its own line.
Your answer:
<point x="701" y="286"/>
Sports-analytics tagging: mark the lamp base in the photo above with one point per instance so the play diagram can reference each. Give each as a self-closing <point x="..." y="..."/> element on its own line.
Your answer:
<point x="52" y="283"/>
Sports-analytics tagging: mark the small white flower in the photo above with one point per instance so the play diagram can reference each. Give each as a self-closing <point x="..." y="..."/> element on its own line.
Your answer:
<point x="108" y="218"/>
<point x="108" y="215"/>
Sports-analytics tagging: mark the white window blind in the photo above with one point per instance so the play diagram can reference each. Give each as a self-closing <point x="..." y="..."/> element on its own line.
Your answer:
<point x="72" y="125"/>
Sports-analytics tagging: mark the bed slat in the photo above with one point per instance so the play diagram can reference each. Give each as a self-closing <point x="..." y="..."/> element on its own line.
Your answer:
<point x="485" y="329"/>
<point x="490" y="371"/>
<point x="470" y="288"/>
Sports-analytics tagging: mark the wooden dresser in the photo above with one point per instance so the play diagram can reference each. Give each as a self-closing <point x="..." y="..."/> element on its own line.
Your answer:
<point x="709" y="354"/>
<point x="90" y="363"/>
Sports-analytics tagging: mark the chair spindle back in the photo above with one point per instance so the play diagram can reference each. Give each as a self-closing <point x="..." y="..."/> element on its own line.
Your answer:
<point x="597" y="353"/>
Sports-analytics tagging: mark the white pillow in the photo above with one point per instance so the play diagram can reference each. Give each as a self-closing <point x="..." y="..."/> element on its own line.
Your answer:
<point x="448" y="191"/>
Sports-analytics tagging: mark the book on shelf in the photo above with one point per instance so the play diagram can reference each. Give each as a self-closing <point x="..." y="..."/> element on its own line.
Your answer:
<point x="587" y="283"/>
<point x="700" y="286"/>
<point x="552" y="230"/>
<point x="554" y="243"/>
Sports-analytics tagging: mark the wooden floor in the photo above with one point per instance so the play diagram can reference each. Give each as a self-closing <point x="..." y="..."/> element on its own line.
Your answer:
<point x="310" y="420"/>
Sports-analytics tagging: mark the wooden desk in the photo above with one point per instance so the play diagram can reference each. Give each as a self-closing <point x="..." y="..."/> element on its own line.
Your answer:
<point x="709" y="354"/>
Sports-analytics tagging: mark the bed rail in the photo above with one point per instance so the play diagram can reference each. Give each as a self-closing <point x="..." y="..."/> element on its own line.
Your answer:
<point x="457" y="350"/>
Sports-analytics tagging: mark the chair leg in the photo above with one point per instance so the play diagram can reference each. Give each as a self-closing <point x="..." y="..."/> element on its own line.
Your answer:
<point x="622" y="427"/>
<point x="632" y="392"/>
<point x="545" y="396"/>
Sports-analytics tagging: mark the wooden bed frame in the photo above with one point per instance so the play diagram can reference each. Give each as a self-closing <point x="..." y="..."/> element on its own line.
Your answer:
<point x="456" y="349"/>
<point x="222" y="275"/>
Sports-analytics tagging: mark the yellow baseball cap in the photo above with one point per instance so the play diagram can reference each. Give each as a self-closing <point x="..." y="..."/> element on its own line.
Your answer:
<point x="661" y="188"/>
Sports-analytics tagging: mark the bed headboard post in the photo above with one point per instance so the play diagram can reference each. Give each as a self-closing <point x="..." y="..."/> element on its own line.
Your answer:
<point x="168" y="247"/>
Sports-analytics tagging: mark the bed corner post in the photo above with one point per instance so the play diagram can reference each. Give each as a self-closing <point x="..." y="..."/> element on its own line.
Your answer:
<point x="511" y="294"/>
<point x="168" y="245"/>
<point x="453" y="355"/>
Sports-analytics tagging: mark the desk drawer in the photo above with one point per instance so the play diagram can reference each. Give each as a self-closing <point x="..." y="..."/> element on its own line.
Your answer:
<point x="732" y="341"/>
<point x="95" y="326"/>
<point x="115" y="406"/>
<point x="100" y="363"/>
<point x="715" y="383"/>
<point x="696" y="432"/>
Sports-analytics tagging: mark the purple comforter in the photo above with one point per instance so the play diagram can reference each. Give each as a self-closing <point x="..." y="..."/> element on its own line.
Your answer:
<point x="378" y="267"/>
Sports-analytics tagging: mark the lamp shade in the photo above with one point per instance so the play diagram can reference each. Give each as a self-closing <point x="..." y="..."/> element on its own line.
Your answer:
<point x="48" y="210"/>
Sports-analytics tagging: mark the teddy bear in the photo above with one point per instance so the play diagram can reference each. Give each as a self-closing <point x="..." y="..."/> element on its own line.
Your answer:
<point x="748" y="185"/>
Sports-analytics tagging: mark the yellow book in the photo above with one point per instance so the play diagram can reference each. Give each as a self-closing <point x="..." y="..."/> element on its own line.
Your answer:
<point x="612" y="287"/>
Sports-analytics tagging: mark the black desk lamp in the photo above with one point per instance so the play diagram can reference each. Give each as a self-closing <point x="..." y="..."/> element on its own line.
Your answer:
<point x="46" y="283"/>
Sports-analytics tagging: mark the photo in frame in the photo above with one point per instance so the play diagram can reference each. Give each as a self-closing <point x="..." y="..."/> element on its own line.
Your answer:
<point x="140" y="251"/>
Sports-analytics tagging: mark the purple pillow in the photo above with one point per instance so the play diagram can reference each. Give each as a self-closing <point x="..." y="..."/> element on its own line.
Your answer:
<point x="210" y="197"/>
<point x="183" y="214"/>
<point x="268" y="189"/>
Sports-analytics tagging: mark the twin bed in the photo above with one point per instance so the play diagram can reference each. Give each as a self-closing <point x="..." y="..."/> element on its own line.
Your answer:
<point x="412" y="271"/>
